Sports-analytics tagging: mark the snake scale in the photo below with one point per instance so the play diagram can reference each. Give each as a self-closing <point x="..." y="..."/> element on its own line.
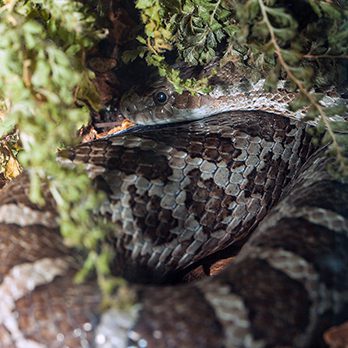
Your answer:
<point x="177" y="194"/>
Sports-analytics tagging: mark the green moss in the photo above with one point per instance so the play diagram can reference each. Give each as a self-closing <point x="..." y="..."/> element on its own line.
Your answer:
<point x="41" y="51"/>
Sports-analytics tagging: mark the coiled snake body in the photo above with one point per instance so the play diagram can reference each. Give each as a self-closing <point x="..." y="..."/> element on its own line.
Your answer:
<point x="176" y="195"/>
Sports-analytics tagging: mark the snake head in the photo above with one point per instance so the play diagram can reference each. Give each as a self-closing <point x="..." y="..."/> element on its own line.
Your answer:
<point x="150" y="105"/>
<point x="160" y="103"/>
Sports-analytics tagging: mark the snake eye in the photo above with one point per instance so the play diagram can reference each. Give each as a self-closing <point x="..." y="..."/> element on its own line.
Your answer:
<point x="160" y="98"/>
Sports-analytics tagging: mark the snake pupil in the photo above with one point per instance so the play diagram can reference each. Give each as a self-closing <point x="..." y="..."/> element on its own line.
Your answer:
<point x="160" y="98"/>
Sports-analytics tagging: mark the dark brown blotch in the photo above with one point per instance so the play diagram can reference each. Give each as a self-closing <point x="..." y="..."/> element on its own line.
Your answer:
<point x="323" y="248"/>
<point x="275" y="302"/>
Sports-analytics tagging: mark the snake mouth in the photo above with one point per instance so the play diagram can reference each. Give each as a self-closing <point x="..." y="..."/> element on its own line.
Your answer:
<point x="102" y="129"/>
<point x="122" y="125"/>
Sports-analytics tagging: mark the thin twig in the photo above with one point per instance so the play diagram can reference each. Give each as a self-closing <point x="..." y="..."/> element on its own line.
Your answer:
<point x="214" y="12"/>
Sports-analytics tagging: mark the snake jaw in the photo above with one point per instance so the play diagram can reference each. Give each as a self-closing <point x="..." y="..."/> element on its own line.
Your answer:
<point x="141" y="106"/>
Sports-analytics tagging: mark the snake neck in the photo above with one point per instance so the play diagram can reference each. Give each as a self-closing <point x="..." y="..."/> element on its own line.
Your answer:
<point x="215" y="103"/>
<point x="247" y="97"/>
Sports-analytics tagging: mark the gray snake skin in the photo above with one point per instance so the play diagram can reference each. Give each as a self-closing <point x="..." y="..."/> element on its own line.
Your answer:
<point x="175" y="196"/>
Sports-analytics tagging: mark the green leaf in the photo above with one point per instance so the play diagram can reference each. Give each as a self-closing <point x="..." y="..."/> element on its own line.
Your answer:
<point x="143" y="4"/>
<point x="41" y="75"/>
<point x="7" y="124"/>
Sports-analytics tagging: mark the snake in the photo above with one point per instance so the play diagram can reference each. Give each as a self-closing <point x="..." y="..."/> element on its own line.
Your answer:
<point x="200" y="175"/>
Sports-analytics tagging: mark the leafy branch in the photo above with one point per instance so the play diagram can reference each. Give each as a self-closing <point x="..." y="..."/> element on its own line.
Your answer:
<point x="42" y="47"/>
<point x="212" y="17"/>
<point x="157" y="35"/>
<point x="291" y="75"/>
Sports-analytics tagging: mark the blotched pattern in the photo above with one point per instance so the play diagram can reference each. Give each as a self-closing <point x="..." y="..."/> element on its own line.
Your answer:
<point x="171" y="192"/>
<point x="183" y="193"/>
